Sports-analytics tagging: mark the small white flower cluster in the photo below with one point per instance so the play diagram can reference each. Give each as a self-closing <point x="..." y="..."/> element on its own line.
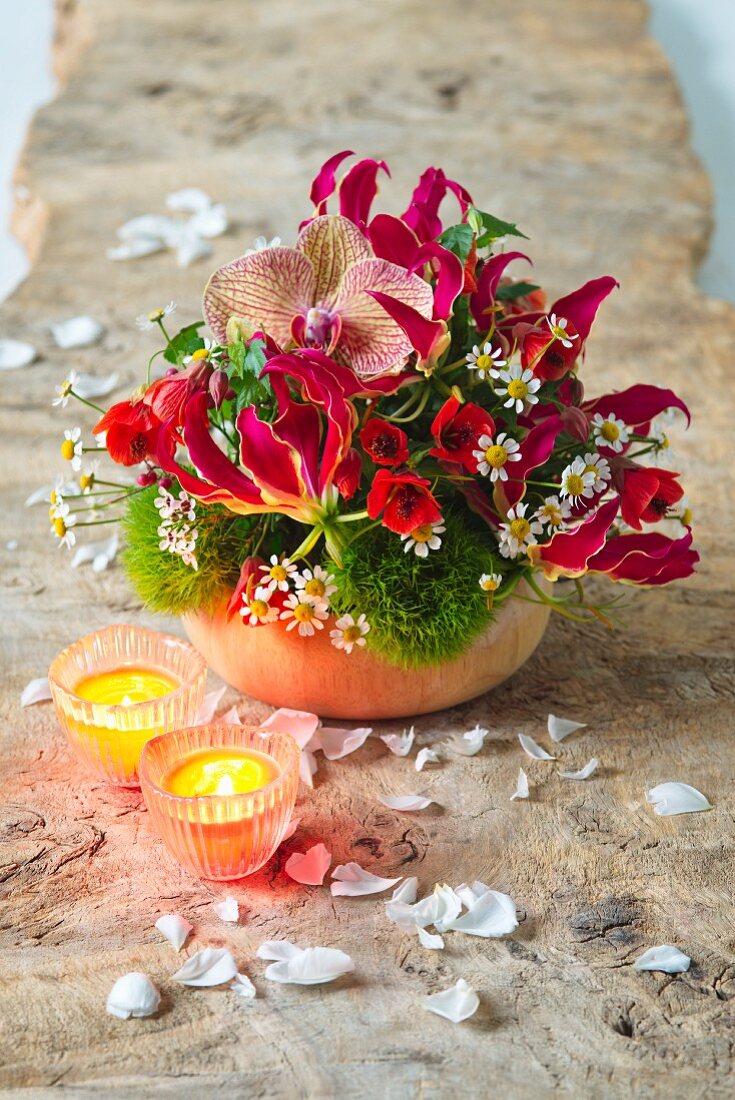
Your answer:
<point x="306" y="605"/>
<point x="61" y="517"/>
<point x="177" y="530"/>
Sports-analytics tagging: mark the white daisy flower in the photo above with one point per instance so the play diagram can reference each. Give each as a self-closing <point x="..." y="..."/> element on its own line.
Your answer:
<point x="71" y="448"/>
<point x="491" y="582"/>
<point x="278" y="573"/>
<point x="609" y="431"/>
<point x="150" y="320"/>
<point x="600" y="467"/>
<point x="558" y="326"/>
<point x="349" y="632"/>
<point x="257" y="608"/>
<point x="424" y="538"/>
<point x="305" y="612"/>
<point x="495" y="454"/>
<point x="577" y="481"/>
<point x="485" y="362"/>
<point x="553" y="513"/>
<point x="62" y="522"/>
<point x="518" y="533"/>
<point x="211" y="352"/>
<point x="63" y="392"/>
<point x="261" y="242"/>
<point x="317" y="584"/>
<point x="56" y="498"/>
<point x="520" y="387"/>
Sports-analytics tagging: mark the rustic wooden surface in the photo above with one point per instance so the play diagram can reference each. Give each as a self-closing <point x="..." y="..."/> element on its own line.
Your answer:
<point x="566" y="118"/>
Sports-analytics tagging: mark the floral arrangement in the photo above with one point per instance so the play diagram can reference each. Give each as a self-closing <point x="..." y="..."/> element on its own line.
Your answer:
<point x="385" y="436"/>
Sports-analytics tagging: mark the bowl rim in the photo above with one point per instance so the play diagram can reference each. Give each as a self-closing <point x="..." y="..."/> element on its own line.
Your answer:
<point x="146" y="782"/>
<point x="191" y="683"/>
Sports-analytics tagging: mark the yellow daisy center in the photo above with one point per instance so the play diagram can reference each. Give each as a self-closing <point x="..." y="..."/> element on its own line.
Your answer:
<point x="489" y="584"/>
<point x="686" y="517"/>
<point x="423" y="533"/>
<point x="558" y="332"/>
<point x="155" y="315"/>
<point x="610" y="431"/>
<point x="259" y="608"/>
<point x="53" y="497"/>
<point x="86" y="481"/>
<point x="278" y="573"/>
<point x="483" y="362"/>
<point x="65" y="388"/>
<point x="496" y="456"/>
<point x="590" y="468"/>
<point x="519" y="528"/>
<point x="303" y="613"/>
<point x="315" y="587"/>
<point x="552" y="515"/>
<point x="200" y="353"/>
<point x="517" y="389"/>
<point x="575" y="485"/>
<point x="59" y="527"/>
<point x="351" y="633"/>
<point x="67" y="450"/>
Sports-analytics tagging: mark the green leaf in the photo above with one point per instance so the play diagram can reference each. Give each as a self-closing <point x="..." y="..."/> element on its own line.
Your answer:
<point x="184" y="343"/>
<point x="458" y="239"/>
<point x="514" y="290"/>
<point x="489" y="228"/>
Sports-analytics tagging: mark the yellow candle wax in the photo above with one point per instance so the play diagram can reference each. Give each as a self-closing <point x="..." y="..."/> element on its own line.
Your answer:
<point x="221" y="772"/>
<point x="121" y="734"/>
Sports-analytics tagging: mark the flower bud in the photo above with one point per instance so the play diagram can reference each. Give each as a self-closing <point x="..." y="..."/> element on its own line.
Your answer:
<point x="166" y="482"/>
<point x="237" y="329"/>
<point x="147" y="478"/>
<point x="575" y="423"/>
<point x="576" y="390"/>
<point x="348" y="473"/>
<point x="219" y="387"/>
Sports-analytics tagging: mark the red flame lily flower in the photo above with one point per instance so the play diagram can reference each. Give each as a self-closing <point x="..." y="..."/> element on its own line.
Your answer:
<point x="404" y="500"/>
<point x="647" y="559"/>
<point x="568" y="553"/>
<point x="542" y="350"/>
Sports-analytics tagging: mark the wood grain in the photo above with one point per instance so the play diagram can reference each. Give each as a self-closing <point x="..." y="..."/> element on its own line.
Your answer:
<point x="566" y="119"/>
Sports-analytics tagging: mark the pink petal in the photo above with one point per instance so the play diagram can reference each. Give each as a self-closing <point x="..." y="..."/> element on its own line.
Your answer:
<point x="450" y="279"/>
<point x="309" y="867"/>
<point x="275" y="465"/>
<point x="535" y="449"/>
<point x="358" y="189"/>
<point x="568" y="552"/>
<point x="267" y="289"/>
<point x="483" y="299"/>
<point x="421" y="333"/>
<point x="637" y="405"/>
<point x="333" y="244"/>
<point x="301" y="724"/>
<point x="337" y="743"/>
<point x="393" y="240"/>
<point x="581" y="305"/>
<point x="371" y="341"/>
<point x="323" y="184"/>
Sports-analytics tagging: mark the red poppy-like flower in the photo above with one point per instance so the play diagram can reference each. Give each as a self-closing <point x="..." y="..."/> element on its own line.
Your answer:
<point x="404" y="499"/>
<point x="386" y="444"/>
<point x="169" y="395"/>
<point x="132" y="432"/>
<point x="456" y="430"/>
<point x="646" y="493"/>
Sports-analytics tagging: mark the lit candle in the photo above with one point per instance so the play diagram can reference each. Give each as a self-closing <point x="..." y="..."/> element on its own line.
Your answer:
<point x="220" y="795"/>
<point x="118" y="688"/>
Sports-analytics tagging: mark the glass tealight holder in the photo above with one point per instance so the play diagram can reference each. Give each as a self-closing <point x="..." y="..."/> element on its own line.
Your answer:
<point x="221" y="836"/>
<point x="108" y="736"/>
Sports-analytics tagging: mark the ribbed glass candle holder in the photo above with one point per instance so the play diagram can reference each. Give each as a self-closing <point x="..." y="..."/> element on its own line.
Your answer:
<point x="220" y="836"/>
<point x="109" y="737"/>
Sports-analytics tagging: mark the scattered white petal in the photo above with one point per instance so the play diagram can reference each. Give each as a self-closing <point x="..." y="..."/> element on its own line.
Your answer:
<point x="16" y="353"/>
<point x="210" y="966"/>
<point x="90" y="385"/>
<point x="400" y="744"/>
<point x="231" y="717"/>
<point x="559" y="728"/>
<point x="36" y="691"/>
<point x="135" y="248"/>
<point x="354" y="881"/>
<point x="492" y="914"/>
<point x="11" y="544"/>
<point x="668" y="799"/>
<point x="290" y="829"/>
<point x="243" y="986"/>
<point x="426" y="756"/>
<point x="584" y="773"/>
<point x="150" y="227"/>
<point x="188" y="199"/>
<point x="209" y="223"/>
<point x="190" y="249"/>
<point x="469" y="744"/>
<point x="406" y="892"/>
<point x="405" y="802"/>
<point x="664" y="957"/>
<point x="532" y="749"/>
<point x="209" y="706"/>
<point x="301" y="724"/>
<point x="227" y="909"/>
<point x="336" y="743"/>
<point x="99" y="553"/>
<point x="175" y="928"/>
<point x="278" y="950"/>
<point x="133" y="995"/>
<point x="311" y="966"/>
<point x="521" y="790"/>
<point x="434" y="943"/>
<point x="309" y="867"/>
<point x="455" y="1004"/>
<point x="307" y="767"/>
<point x="77" y="332"/>
<point x="440" y="908"/>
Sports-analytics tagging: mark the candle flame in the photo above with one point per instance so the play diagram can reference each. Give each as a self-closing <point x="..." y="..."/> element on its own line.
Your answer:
<point x="126" y="701"/>
<point x="225" y="785"/>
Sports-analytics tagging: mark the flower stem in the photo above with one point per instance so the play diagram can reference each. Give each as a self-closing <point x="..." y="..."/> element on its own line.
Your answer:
<point x="89" y="404"/>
